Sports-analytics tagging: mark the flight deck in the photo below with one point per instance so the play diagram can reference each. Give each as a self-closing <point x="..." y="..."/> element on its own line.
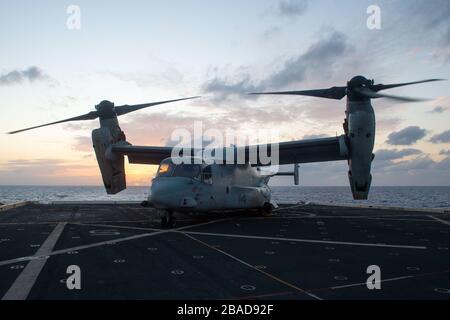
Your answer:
<point x="301" y="251"/>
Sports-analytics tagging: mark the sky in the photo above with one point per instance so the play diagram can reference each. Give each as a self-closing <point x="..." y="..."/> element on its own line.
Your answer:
<point x="141" y="51"/>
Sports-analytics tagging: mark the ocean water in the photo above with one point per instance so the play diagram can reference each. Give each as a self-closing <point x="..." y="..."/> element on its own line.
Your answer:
<point x="411" y="197"/>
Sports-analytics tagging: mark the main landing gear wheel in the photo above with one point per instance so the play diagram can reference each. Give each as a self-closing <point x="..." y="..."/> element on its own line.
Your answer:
<point x="167" y="220"/>
<point x="266" y="210"/>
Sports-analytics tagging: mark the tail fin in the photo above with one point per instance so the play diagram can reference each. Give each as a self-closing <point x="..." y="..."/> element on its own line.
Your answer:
<point x="294" y="173"/>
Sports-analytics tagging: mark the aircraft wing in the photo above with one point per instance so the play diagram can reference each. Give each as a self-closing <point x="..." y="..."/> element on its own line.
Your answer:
<point x="306" y="151"/>
<point x="142" y="154"/>
<point x="314" y="150"/>
<point x="300" y="151"/>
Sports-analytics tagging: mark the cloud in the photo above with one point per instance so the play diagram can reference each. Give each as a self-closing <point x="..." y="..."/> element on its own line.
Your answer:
<point x="445" y="152"/>
<point x="48" y="171"/>
<point x="292" y="8"/>
<point x="319" y="58"/>
<point x="83" y="144"/>
<point x="432" y="21"/>
<point x="438" y="109"/>
<point x="314" y="136"/>
<point x="406" y="136"/>
<point x="388" y="155"/>
<point x="226" y="86"/>
<point x="271" y="32"/>
<point x="17" y="76"/>
<point x="443" y="137"/>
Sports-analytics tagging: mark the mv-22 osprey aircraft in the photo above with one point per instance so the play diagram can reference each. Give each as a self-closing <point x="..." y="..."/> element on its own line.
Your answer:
<point x="190" y="186"/>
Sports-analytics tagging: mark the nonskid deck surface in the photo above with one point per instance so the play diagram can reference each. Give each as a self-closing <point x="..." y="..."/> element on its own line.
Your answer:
<point x="301" y="252"/>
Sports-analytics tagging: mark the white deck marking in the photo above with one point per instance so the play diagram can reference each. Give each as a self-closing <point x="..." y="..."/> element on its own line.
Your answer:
<point x="254" y="268"/>
<point x="333" y="217"/>
<point x="115" y="226"/>
<point x="291" y="207"/>
<point x="102" y="243"/>
<point x="440" y="220"/>
<point x="22" y="286"/>
<point x="307" y="240"/>
<point x="364" y="283"/>
<point x="56" y="222"/>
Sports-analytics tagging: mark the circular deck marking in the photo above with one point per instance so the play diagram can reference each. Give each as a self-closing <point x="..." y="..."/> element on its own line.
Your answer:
<point x="17" y="267"/>
<point x="35" y="245"/>
<point x="260" y="267"/>
<point x="269" y="252"/>
<point x="340" y="278"/>
<point x="152" y="249"/>
<point x="413" y="268"/>
<point x="119" y="261"/>
<point x="177" y="272"/>
<point x="198" y="257"/>
<point x="442" y="290"/>
<point x="72" y="252"/>
<point x="248" y="287"/>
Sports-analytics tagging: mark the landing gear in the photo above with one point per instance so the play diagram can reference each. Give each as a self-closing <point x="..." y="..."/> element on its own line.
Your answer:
<point x="266" y="210"/>
<point x="167" y="220"/>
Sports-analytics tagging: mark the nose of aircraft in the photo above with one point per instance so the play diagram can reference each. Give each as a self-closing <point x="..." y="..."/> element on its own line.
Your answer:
<point x="168" y="192"/>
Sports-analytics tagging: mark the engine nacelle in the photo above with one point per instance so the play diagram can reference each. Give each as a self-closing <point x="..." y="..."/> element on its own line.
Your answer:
<point x="360" y="130"/>
<point x="111" y="167"/>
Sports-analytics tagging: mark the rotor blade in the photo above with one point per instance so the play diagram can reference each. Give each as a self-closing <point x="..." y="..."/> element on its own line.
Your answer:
<point x="372" y="94"/>
<point x="88" y="116"/>
<point x="331" y="93"/>
<point x="121" y="110"/>
<point x="379" y="87"/>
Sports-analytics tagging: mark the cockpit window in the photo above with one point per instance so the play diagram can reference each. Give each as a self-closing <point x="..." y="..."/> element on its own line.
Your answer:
<point x="207" y="175"/>
<point x="187" y="170"/>
<point x="165" y="169"/>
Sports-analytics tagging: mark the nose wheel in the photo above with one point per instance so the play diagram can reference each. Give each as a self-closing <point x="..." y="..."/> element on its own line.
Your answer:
<point x="167" y="220"/>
